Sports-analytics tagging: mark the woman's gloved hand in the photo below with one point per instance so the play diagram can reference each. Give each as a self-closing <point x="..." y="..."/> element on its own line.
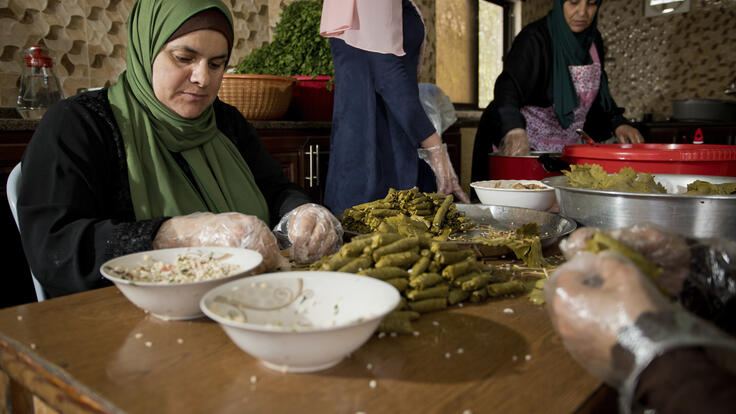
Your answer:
<point x="614" y="322"/>
<point x="668" y="250"/>
<point x="515" y="143"/>
<point x="593" y="297"/>
<point x="312" y="231"/>
<point x="225" y="229"/>
<point x="447" y="181"/>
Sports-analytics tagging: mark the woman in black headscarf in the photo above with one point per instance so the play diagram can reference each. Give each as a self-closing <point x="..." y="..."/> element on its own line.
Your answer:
<point x="553" y="83"/>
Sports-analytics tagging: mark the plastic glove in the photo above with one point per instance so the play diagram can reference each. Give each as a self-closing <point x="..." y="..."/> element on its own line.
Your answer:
<point x="515" y="143"/>
<point x="447" y="182"/>
<point x="701" y="273"/>
<point x="312" y="232"/>
<point x="614" y="322"/>
<point x="225" y="229"/>
<point x="668" y="250"/>
<point x="438" y="106"/>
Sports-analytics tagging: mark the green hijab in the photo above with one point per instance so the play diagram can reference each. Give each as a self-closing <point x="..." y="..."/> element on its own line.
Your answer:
<point x="222" y="181"/>
<point x="568" y="49"/>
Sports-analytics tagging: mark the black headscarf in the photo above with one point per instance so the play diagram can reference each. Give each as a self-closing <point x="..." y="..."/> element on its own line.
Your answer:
<point x="569" y="48"/>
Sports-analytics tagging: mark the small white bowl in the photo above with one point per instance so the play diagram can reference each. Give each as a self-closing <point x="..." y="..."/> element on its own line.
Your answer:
<point x="176" y="300"/>
<point x="501" y="193"/>
<point x="300" y="321"/>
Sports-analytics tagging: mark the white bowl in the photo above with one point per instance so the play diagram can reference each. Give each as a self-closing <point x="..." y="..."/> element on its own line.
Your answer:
<point x="176" y="300"/>
<point x="505" y="195"/>
<point x="300" y="321"/>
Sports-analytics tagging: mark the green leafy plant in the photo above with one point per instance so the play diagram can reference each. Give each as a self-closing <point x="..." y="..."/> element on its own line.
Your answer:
<point x="297" y="47"/>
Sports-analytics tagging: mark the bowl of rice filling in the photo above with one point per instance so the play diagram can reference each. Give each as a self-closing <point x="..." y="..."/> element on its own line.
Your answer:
<point x="531" y="194"/>
<point x="300" y="321"/>
<point x="169" y="283"/>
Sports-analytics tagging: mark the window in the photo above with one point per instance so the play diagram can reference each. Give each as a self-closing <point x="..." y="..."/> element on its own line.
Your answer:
<point x="492" y="24"/>
<point x="472" y="37"/>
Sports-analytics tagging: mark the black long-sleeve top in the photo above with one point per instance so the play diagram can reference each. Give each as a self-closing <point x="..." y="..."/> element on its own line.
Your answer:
<point x="526" y="80"/>
<point x="74" y="205"/>
<point x="685" y="380"/>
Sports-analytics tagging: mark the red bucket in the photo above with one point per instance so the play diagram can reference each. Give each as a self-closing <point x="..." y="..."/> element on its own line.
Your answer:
<point x="312" y="101"/>
<point x="526" y="167"/>
<point x="690" y="159"/>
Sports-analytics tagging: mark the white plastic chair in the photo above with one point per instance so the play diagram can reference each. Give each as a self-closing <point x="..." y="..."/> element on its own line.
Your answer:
<point x="13" y="188"/>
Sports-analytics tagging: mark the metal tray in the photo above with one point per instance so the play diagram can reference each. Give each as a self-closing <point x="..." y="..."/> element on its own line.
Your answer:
<point x="690" y="215"/>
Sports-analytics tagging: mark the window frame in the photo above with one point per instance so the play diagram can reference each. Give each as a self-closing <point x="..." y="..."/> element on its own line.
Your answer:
<point x="508" y="37"/>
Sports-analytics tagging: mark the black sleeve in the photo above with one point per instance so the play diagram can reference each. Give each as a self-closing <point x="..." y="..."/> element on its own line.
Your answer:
<point x="74" y="206"/>
<point x="686" y="381"/>
<point x="281" y="194"/>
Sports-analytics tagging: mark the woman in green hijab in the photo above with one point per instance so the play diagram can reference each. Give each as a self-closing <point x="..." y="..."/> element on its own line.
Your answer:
<point x="553" y="82"/>
<point x="157" y="161"/>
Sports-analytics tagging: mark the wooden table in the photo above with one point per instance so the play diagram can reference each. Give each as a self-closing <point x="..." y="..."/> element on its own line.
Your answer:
<point x="96" y="352"/>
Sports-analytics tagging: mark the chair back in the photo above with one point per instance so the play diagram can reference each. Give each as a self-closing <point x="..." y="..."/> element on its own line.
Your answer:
<point x="12" y="190"/>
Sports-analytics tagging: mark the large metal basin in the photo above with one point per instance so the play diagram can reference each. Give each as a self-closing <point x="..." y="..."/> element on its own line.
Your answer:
<point x="694" y="216"/>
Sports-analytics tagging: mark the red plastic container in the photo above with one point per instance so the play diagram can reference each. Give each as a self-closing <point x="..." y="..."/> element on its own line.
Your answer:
<point x="526" y="167"/>
<point x="312" y="101"/>
<point x="688" y="159"/>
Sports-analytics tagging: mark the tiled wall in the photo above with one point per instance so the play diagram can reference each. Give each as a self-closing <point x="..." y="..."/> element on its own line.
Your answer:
<point x="651" y="61"/>
<point x="86" y="38"/>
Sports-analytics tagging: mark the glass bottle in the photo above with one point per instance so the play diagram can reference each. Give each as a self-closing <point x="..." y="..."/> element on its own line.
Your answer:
<point x="39" y="88"/>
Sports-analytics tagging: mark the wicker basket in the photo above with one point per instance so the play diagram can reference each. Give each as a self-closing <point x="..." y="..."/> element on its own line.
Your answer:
<point x="257" y="96"/>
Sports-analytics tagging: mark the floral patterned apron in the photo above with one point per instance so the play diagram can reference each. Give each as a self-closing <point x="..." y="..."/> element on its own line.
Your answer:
<point x="542" y="127"/>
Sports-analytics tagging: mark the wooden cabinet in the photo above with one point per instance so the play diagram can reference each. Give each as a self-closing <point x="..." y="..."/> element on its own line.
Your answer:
<point x="17" y="286"/>
<point x="303" y="153"/>
<point x="12" y="145"/>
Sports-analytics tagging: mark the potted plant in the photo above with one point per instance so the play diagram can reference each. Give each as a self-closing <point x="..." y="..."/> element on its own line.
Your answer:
<point x="300" y="52"/>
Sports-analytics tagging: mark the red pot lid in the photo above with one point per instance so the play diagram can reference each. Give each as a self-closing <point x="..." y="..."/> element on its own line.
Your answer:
<point x="652" y="152"/>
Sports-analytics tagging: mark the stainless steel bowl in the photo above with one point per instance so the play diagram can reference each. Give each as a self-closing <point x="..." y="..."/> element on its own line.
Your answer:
<point x="552" y="227"/>
<point x="694" y="216"/>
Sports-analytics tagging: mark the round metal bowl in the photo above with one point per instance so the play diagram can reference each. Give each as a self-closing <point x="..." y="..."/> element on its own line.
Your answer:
<point x="690" y="215"/>
<point x="552" y="226"/>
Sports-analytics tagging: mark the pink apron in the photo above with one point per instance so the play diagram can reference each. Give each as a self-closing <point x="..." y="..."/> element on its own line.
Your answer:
<point x="542" y="127"/>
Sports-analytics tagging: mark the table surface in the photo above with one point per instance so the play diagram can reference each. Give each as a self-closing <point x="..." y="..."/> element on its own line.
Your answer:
<point x="96" y="352"/>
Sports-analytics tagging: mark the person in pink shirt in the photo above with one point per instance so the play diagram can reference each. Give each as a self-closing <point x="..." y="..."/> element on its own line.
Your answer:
<point x="380" y="131"/>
